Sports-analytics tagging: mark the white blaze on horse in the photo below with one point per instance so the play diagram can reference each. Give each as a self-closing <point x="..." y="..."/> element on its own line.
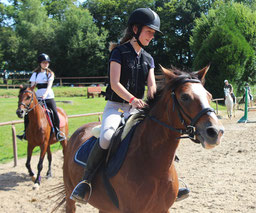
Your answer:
<point x="229" y="102"/>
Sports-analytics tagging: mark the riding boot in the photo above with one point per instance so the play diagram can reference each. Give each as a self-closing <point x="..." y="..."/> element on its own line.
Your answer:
<point x="182" y="194"/>
<point x="23" y="136"/>
<point x="94" y="161"/>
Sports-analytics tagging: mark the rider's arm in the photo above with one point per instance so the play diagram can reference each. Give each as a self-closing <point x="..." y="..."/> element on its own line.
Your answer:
<point x="118" y="88"/>
<point x="151" y="82"/>
<point x="49" y="86"/>
<point x="231" y="88"/>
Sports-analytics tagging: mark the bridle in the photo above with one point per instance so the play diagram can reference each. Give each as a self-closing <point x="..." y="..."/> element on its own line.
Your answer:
<point x="27" y="107"/>
<point x="190" y="129"/>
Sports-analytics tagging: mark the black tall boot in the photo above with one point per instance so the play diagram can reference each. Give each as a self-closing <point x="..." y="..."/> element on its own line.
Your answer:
<point x="95" y="158"/>
<point x="23" y="136"/>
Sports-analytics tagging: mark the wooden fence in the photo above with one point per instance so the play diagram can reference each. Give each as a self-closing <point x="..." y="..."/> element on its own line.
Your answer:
<point x="59" y="81"/>
<point x="14" y="142"/>
<point x="65" y="81"/>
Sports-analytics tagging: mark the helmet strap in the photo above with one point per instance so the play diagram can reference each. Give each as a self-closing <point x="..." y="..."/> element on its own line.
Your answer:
<point x="137" y="35"/>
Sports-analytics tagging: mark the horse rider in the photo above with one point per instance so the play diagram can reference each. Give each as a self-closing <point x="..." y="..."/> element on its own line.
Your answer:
<point x="43" y="78"/>
<point x="249" y="92"/>
<point x="230" y="87"/>
<point x="126" y="87"/>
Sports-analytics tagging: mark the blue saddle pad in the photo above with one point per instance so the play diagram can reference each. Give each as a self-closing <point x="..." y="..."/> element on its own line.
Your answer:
<point x="115" y="161"/>
<point x="83" y="152"/>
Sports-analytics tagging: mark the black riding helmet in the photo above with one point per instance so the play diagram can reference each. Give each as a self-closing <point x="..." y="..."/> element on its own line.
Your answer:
<point x="43" y="57"/>
<point x="143" y="17"/>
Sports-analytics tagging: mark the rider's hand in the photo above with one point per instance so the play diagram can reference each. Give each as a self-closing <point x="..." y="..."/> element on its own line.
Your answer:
<point x="44" y="96"/>
<point x="138" y="103"/>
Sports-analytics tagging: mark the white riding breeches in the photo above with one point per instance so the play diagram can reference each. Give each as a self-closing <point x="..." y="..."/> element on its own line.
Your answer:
<point x="111" y="119"/>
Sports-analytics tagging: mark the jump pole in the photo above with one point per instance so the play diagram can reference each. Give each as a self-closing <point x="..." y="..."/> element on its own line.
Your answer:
<point x="244" y="119"/>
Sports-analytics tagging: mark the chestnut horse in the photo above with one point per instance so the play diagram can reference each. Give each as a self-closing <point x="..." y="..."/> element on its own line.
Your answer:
<point x="38" y="132"/>
<point x="147" y="182"/>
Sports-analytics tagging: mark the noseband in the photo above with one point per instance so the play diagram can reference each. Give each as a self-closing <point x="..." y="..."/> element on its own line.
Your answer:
<point x="190" y="129"/>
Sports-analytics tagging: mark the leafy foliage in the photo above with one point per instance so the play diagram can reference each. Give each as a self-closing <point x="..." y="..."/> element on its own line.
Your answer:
<point x="225" y="38"/>
<point x="77" y="36"/>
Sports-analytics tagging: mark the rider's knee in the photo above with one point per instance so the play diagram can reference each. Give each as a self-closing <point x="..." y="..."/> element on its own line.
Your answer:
<point x="105" y="138"/>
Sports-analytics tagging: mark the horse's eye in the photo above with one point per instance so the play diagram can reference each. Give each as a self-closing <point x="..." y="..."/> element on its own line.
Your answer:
<point x="28" y="97"/>
<point x="185" y="97"/>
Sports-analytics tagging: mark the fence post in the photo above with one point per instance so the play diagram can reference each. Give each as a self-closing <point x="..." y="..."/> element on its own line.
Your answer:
<point x="217" y="109"/>
<point x="14" y="145"/>
<point x="61" y="82"/>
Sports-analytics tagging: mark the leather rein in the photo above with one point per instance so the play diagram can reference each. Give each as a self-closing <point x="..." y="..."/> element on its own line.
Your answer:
<point x="190" y="129"/>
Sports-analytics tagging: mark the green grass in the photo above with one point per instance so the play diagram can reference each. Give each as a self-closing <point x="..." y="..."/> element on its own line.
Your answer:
<point x="58" y="91"/>
<point x="80" y="105"/>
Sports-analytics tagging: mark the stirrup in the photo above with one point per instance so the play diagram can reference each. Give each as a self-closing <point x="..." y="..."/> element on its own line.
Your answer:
<point x="78" y="199"/>
<point x="60" y="136"/>
<point x="185" y="193"/>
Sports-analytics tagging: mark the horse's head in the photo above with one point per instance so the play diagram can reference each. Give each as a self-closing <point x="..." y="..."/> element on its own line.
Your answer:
<point x="187" y="96"/>
<point x="226" y="92"/>
<point x="27" y="98"/>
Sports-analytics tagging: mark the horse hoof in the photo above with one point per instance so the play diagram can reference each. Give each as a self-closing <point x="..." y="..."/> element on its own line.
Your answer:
<point x="48" y="176"/>
<point x="36" y="186"/>
<point x="33" y="178"/>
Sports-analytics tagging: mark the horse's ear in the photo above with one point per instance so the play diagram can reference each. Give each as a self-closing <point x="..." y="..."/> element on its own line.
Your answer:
<point x="201" y="73"/>
<point x="167" y="73"/>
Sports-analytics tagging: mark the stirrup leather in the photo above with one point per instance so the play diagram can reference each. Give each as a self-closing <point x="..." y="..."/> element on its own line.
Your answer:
<point x="72" y="197"/>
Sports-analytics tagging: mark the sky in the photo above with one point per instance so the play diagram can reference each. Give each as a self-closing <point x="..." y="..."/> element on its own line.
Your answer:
<point x="4" y="1"/>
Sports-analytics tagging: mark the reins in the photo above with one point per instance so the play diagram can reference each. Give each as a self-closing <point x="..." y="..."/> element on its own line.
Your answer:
<point x="190" y="129"/>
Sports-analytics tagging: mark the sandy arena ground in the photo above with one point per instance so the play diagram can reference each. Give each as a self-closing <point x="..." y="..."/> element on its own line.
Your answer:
<point x="221" y="180"/>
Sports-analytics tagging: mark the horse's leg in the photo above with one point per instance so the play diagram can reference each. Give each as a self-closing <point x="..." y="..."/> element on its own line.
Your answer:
<point x="29" y="155"/>
<point x="234" y="110"/>
<point x="49" y="157"/>
<point x="64" y="145"/>
<point x="70" y="206"/>
<point x="40" y="165"/>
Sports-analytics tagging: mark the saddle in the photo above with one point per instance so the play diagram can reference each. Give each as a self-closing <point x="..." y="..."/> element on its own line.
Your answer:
<point x="117" y="151"/>
<point x="49" y="115"/>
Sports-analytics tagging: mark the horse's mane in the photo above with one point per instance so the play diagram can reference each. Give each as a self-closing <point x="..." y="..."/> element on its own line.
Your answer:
<point x="165" y="86"/>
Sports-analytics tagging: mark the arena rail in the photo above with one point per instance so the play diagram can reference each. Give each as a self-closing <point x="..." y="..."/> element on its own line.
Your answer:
<point x="14" y="141"/>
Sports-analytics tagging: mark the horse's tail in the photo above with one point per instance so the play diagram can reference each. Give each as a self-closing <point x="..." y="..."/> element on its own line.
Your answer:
<point x="60" y="197"/>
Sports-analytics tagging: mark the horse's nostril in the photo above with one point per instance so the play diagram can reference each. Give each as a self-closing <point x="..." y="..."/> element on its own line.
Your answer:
<point x="212" y="132"/>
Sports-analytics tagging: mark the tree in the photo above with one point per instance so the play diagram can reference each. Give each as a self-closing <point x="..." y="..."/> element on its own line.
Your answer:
<point x="79" y="45"/>
<point x="56" y="8"/>
<point x="113" y="15"/>
<point x="177" y="19"/>
<point x="34" y="32"/>
<point x="225" y="37"/>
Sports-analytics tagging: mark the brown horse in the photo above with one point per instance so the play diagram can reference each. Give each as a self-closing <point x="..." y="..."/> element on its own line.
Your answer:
<point x="147" y="182"/>
<point x="38" y="132"/>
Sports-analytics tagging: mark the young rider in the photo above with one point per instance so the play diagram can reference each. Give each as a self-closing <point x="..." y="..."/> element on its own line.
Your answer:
<point x="130" y="66"/>
<point x="43" y="78"/>
<point x="229" y="86"/>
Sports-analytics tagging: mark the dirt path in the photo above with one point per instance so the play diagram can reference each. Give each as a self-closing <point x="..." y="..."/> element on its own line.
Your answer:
<point x="221" y="180"/>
